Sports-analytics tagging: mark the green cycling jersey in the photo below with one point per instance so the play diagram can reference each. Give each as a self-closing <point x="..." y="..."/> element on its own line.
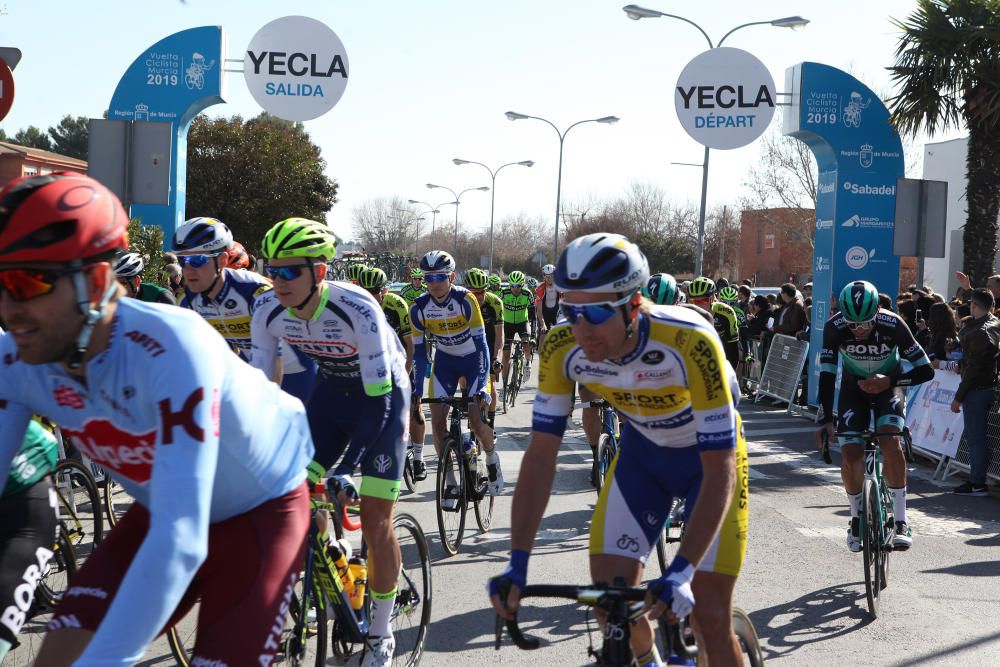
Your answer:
<point x="515" y="306"/>
<point x="35" y="460"/>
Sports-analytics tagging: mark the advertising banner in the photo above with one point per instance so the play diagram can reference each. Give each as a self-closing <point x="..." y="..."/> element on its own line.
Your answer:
<point x="171" y="82"/>
<point x="933" y="426"/>
<point x="859" y="157"/>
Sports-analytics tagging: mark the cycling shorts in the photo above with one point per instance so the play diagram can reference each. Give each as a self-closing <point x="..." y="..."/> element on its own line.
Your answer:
<point x="300" y="384"/>
<point x="632" y="510"/>
<point x="854" y="408"/>
<point x="509" y="330"/>
<point x="333" y="419"/>
<point x="446" y="371"/>
<point x="28" y="530"/>
<point x="246" y="580"/>
<point x="549" y="316"/>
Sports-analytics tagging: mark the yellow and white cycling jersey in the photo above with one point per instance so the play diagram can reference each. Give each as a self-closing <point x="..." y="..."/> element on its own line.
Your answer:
<point x="454" y="323"/>
<point x="674" y="388"/>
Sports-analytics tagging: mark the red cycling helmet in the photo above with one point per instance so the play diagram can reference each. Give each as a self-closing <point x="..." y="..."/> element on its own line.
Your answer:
<point x="59" y="217"/>
<point x="238" y="257"/>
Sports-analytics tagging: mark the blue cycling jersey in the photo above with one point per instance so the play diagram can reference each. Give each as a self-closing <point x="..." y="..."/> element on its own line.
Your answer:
<point x="191" y="432"/>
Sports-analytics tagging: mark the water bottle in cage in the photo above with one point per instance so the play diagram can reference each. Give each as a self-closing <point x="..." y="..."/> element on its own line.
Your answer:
<point x="470" y="450"/>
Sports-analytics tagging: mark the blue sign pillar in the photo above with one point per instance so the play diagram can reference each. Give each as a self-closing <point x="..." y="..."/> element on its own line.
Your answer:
<point x="172" y="82"/>
<point x="859" y="156"/>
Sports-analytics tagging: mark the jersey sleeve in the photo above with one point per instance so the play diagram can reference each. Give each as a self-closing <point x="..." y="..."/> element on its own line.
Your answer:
<point x="185" y="397"/>
<point x="554" y="400"/>
<point x="374" y="352"/>
<point x="711" y="398"/>
<point x="263" y="344"/>
<point x="828" y="370"/>
<point x="417" y="335"/>
<point x="478" y="331"/>
<point x="914" y="365"/>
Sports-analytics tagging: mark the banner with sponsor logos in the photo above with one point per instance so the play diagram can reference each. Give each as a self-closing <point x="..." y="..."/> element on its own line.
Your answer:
<point x="859" y="157"/>
<point x="933" y="426"/>
<point x="172" y="82"/>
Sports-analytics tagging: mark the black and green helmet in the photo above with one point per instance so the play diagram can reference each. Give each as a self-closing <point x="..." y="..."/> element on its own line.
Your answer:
<point x="515" y="278"/>
<point x="476" y="279"/>
<point x="729" y="294"/>
<point x="859" y="301"/>
<point x="373" y="279"/>
<point x="701" y="287"/>
<point x="299" y="237"/>
<point x="354" y="271"/>
<point x="661" y="288"/>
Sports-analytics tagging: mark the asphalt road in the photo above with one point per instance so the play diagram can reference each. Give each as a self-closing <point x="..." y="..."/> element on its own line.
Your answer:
<point x="800" y="585"/>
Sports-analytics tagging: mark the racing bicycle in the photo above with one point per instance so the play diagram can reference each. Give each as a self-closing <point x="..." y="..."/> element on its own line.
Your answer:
<point x="607" y="445"/>
<point x="512" y="386"/>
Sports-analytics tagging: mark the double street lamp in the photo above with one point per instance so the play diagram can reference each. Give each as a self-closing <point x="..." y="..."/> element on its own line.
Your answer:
<point x="635" y="12"/>
<point x="493" y="192"/>
<point x="458" y="198"/>
<point x="607" y="120"/>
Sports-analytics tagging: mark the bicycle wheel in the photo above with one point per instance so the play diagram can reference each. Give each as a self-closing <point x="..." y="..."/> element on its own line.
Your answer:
<point x="605" y="455"/>
<point x="116" y="500"/>
<point x="907" y="442"/>
<point x="515" y="381"/>
<point x="888" y="532"/>
<point x="747" y="636"/>
<point x="871" y="537"/>
<point x="80" y="506"/>
<point x="411" y="612"/>
<point x="451" y="494"/>
<point x="411" y="484"/>
<point x="483" y="501"/>
<point x="670" y="535"/>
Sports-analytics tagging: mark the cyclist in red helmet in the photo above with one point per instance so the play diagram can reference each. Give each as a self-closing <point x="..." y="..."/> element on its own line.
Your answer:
<point x="214" y="458"/>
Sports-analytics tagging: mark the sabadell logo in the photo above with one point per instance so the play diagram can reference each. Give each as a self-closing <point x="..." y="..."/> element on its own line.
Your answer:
<point x="879" y="190"/>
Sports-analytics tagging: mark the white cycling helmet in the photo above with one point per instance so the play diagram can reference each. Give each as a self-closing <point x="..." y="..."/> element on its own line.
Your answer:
<point x="437" y="261"/>
<point x="129" y="265"/>
<point x="548" y="269"/>
<point x="202" y="236"/>
<point x="601" y="263"/>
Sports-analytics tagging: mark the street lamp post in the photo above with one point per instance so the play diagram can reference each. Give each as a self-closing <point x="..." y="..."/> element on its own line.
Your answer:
<point x="635" y="12"/>
<point x="416" y="237"/>
<point x="433" y="210"/>
<point x="608" y="120"/>
<point x="493" y="192"/>
<point x="458" y="198"/>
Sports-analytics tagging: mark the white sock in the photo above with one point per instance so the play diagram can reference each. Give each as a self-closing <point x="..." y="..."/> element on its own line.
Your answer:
<point x="381" y="613"/>
<point x="493" y="458"/>
<point x="4" y="647"/>
<point x="418" y="452"/>
<point x="855" y="501"/>
<point x="899" y="504"/>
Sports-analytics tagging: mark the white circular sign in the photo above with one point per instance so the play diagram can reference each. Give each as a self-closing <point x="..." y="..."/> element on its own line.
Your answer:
<point x="725" y="98"/>
<point x="856" y="257"/>
<point x="296" y="68"/>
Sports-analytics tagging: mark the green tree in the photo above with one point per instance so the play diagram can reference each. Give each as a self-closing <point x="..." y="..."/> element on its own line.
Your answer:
<point x="947" y="70"/>
<point x="147" y="240"/>
<point x="70" y="137"/>
<point x="252" y="174"/>
<point x="666" y="253"/>
<point x="32" y="137"/>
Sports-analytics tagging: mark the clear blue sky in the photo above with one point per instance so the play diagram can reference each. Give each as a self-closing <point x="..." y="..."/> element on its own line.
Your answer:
<point x="431" y="80"/>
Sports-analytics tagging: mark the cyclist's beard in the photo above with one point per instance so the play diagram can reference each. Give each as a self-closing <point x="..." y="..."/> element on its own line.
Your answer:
<point x="49" y="343"/>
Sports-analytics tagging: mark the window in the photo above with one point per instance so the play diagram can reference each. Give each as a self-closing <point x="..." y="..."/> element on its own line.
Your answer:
<point x="31" y="171"/>
<point x="768" y="241"/>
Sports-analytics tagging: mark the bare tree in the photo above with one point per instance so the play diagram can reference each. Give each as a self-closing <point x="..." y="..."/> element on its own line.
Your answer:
<point x="387" y="224"/>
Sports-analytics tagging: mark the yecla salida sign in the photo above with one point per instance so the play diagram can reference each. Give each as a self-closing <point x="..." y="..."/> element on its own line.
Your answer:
<point x="296" y="68"/>
<point x="725" y="98"/>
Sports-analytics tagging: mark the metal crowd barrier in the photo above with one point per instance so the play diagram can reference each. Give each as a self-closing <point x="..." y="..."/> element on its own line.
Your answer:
<point x="961" y="459"/>
<point x="783" y="369"/>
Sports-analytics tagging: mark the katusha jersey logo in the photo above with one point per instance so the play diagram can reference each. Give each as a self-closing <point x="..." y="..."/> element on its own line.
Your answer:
<point x="68" y="397"/>
<point x="128" y="454"/>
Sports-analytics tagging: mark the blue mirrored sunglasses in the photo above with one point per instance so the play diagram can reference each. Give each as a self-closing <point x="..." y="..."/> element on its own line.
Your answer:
<point x="436" y="277"/>
<point x="286" y="273"/>
<point x="194" y="261"/>
<point x="594" y="313"/>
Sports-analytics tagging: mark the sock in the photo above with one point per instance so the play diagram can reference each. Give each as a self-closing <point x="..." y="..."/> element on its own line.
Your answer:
<point x="381" y="612"/>
<point x="899" y="504"/>
<point x="492" y="458"/>
<point x="650" y="657"/>
<point x="855" y="501"/>
<point x="418" y="452"/>
<point x="4" y="647"/>
<point x="492" y="418"/>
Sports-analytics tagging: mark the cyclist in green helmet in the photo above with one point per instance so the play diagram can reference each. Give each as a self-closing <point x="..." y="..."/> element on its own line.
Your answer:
<point x="517" y="310"/>
<point x="495" y="285"/>
<point x="360" y="404"/>
<point x="702" y="293"/>
<point x="416" y="286"/>
<point x="477" y="280"/>
<point x="661" y="289"/>
<point x="354" y="271"/>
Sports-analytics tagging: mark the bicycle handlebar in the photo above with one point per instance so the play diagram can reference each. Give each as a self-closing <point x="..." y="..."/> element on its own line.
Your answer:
<point x="454" y="401"/>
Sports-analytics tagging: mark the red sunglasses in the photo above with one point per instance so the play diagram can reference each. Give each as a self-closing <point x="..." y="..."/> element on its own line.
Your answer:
<point x="27" y="284"/>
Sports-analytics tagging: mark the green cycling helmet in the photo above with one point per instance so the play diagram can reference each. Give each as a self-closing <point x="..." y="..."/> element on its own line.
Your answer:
<point x="729" y="294"/>
<point x="354" y="271"/>
<point x="515" y="278"/>
<point x="701" y="287"/>
<point x="476" y="279"/>
<point x="373" y="279"/>
<point x="661" y="288"/>
<point x="859" y="301"/>
<point x="298" y="237"/>
<point x="416" y="273"/>
<point x="494" y="281"/>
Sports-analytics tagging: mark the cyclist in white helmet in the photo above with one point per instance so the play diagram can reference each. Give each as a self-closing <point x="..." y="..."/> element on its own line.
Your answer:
<point x="128" y="269"/>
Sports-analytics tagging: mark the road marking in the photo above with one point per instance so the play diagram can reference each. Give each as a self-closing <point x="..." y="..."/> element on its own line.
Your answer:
<point x="751" y="434"/>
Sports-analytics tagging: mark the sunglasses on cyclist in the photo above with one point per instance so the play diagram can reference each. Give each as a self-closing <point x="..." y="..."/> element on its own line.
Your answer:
<point x="594" y="313"/>
<point x="195" y="261"/>
<point x="286" y="273"/>
<point x="478" y="292"/>
<point x="861" y="326"/>
<point x="28" y="284"/>
<point x="436" y="277"/>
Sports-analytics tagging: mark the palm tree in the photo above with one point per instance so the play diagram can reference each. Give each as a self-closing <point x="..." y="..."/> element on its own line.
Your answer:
<point x="947" y="71"/>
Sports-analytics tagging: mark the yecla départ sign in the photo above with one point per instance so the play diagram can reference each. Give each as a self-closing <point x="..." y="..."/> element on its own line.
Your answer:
<point x="296" y="68"/>
<point x="725" y="98"/>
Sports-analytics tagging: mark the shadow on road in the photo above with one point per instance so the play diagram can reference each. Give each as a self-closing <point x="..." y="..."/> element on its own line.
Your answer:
<point x="954" y="652"/>
<point x="988" y="568"/>
<point x="818" y="616"/>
